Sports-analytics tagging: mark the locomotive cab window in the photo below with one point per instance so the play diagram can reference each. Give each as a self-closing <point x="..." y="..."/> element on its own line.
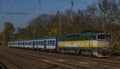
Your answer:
<point x="104" y="36"/>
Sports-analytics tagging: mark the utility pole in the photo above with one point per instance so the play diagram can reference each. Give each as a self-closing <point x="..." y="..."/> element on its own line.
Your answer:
<point x="71" y="4"/>
<point x="34" y="29"/>
<point x="104" y="22"/>
<point x="59" y="23"/>
<point x="71" y="10"/>
<point x="71" y="17"/>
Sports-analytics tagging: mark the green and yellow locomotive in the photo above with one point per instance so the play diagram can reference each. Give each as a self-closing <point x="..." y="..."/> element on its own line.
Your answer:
<point x="90" y="43"/>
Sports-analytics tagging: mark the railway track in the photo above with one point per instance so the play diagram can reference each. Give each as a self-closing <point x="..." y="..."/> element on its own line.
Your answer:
<point x="53" y="62"/>
<point x="8" y="62"/>
<point x="18" y="65"/>
<point x="85" y="60"/>
<point x="66" y="61"/>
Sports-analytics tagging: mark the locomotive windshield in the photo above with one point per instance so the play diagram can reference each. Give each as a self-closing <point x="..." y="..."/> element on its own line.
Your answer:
<point x="104" y="36"/>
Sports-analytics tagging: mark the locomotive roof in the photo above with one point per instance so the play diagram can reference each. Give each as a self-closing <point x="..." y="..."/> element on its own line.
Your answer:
<point x="78" y="34"/>
<point x="34" y="39"/>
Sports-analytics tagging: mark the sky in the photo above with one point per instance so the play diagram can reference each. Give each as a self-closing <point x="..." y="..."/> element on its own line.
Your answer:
<point x="33" y="8"/>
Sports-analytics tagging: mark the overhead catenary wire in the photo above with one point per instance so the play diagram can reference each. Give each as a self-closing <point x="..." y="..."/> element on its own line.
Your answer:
<point x="9" y="9"/>
<point x="21" y="13"/>
<point x="15" y="13"/>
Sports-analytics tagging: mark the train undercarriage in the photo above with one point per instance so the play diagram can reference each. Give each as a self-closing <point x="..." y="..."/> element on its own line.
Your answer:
<point x="97" y="52"/>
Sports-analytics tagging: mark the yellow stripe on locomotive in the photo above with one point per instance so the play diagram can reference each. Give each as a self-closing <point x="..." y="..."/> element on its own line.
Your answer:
<point x="80" y="43"/>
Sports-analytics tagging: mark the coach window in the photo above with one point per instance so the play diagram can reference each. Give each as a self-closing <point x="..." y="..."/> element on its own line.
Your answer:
<point x="30" y="43"/>
<point x="26" y="43"/>
<point x="50" y="42"/>
<point x="34" y="42"/>
<point x="17" y="43"/>
<point x="53" y="42"/>
<point x="20" y="43"/>
<point x="41" y="42"/>
<point x="37" y="42"/>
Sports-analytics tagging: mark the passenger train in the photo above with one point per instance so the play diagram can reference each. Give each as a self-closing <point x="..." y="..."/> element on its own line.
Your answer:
<point x="88" y="43"/>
